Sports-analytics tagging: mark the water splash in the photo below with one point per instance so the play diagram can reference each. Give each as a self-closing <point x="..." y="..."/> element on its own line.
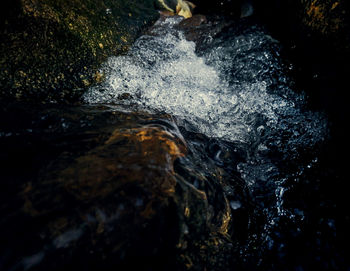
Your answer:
<point x="226" y="93"/>
<point x="231" y="87"/>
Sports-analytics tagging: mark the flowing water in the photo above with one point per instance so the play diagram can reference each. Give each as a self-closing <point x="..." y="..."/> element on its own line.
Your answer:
<point x="232" y="87"/>
<point x="254" y="149"/>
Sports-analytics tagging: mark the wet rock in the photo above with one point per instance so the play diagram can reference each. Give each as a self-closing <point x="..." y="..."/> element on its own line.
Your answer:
<point x="320" y="22"/>
<point x="50" y="50"/>
<point x="194" y="21"/>
<point x="316" y="46"/>
<point x="317" y="42"/>
<point x="110" y="189"/>
<point x="198" y="28"/>
<point x="325" y="17"/>
<point x="179" y="7"/>
<point x="319" y="18"/>
<point x="224" y="7"/>
<point x="192" y="27"/>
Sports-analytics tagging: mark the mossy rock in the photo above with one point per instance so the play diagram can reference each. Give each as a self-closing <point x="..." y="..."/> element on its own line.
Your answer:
<point x="51" y="49"/>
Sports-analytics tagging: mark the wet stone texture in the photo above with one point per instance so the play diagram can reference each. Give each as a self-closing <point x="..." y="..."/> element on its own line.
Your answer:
<point x="115" y="190"/>
<point x="50" y="50"/>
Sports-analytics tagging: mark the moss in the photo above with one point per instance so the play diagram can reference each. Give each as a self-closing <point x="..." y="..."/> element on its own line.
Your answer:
<point x="50" y="50"/>
<point x="325" y="17"/>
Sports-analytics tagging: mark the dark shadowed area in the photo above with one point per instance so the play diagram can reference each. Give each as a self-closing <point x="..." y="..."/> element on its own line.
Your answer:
<point x="133" y="139"/>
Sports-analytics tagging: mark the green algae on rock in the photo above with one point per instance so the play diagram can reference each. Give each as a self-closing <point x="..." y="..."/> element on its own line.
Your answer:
<point x="50" y="49"/>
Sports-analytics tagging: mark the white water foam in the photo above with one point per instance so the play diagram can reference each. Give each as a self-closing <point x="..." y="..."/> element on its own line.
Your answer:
<point x="224" y="94"/>
<point x="235" y="90"/>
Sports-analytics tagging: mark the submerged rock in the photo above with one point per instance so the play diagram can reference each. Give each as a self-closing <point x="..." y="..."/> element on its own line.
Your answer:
<point x="50" y="50"/>
<point x="120" y="190"/>
<point x="112" y="187"/>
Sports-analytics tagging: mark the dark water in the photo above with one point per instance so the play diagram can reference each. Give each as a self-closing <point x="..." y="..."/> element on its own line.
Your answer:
<point x="234" y="88"/>
<point x="230" y="98"/>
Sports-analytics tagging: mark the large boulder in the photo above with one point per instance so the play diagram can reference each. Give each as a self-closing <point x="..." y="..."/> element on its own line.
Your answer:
<point x="50" y="49"/>
<point x="103" y="189"/>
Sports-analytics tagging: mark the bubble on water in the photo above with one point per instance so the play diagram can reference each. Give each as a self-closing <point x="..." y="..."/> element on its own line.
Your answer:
<point x="235" y="205"/>
<point x="234" y="89"/>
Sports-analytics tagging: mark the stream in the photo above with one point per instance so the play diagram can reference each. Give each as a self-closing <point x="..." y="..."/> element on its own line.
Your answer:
<point x="253" y="145"/>
<point x="234" y="89"/>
